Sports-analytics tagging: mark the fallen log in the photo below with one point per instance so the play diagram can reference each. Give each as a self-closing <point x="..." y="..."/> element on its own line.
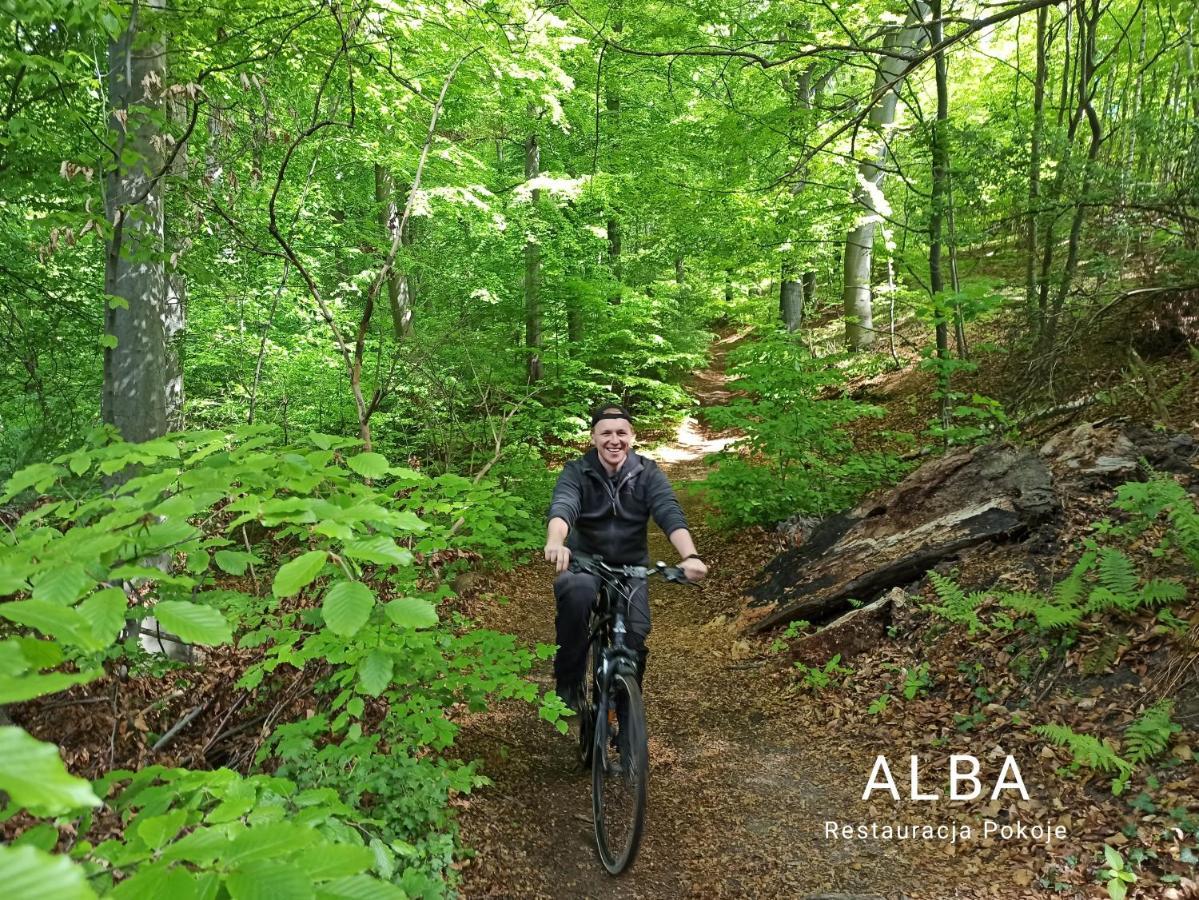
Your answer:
<point x="968" y="497"/>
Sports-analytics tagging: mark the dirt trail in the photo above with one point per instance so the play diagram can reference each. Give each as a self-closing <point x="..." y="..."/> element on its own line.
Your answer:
<point x="739" y="793"/>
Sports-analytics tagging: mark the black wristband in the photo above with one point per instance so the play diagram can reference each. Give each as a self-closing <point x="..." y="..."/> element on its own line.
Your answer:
<point x="691" y="556"/>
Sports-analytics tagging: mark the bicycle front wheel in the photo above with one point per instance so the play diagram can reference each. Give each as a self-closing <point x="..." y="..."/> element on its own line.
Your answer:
<point x="588" y="702"/>
<point x="619" y="776"/>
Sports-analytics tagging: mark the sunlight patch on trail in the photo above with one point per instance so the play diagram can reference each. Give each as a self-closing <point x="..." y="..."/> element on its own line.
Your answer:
<point x="689" y="444"/>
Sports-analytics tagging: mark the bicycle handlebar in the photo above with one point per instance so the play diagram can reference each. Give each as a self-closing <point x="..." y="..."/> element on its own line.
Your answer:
<point x="595" y="565"/>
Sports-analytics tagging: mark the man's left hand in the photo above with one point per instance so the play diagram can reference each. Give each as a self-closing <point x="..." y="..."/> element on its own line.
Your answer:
<point x="694" y="569"/>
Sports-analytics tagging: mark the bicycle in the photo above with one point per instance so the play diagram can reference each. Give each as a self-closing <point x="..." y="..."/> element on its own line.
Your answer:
<point x="612" y="733"/>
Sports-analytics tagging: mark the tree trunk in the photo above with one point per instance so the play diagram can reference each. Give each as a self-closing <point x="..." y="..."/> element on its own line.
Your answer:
<point x="612" y="102"/>
<point x="1033" y="222"/>
<point x="859" y="243"/>
<point x="1088" y="26"/>
<point x="533" y="268"/>
<point x="399" y="287"/>
<point x="940" y="192"/>
<point x="679" y="274"/>
<point x="791" y="299"/>
<point x="137" y="396"/>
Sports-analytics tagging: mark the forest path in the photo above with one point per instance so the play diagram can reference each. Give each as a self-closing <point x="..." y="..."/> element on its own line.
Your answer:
<point x="738" y="794"/>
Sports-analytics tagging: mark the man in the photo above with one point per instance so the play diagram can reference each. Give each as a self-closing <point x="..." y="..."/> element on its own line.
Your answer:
<point x="602" y="504"/>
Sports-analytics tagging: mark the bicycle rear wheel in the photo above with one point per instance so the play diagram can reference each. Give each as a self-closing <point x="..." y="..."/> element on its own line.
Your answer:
<point x="619" y="776"/>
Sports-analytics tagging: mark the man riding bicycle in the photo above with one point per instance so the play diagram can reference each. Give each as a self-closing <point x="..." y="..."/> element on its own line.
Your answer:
<point x="602" y="505"/>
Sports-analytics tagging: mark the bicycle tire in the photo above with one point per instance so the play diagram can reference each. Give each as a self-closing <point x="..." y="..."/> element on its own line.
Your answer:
<point x="588" y="702"/>
<point x="619" y="780"/>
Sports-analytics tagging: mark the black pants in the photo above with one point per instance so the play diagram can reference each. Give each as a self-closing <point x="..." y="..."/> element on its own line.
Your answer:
<point x="575" y="594"/>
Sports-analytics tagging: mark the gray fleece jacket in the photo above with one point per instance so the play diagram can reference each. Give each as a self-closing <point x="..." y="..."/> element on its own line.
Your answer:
<point x="609" y="516"/>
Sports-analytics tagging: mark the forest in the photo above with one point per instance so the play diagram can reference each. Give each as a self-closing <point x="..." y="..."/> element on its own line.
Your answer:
<point x="304" y="305"/>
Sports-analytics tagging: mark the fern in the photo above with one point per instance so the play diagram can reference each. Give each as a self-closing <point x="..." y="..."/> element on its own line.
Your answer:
<point x="1145" y="502"/>
<point x="1101" y="658"/>
<point x="1184" y="522"/>
<point x="1149" y="735"/>
<point x="1069" y="591"/>
<point x="1091" y="752"/>
<point x="1024" y="604"/>
<point x="1048" y="614"/>
<point x="1050" y="617"/>
<point x="956" y="605"/>
<point x="1119" y="575"/>
<point x="1160" y="591"/>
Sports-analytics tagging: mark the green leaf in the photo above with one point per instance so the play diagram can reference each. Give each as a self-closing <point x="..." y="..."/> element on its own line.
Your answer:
<point x="18" y="689"/>
<point x="369" y="465"/>
<point x="79" y="462"/>
<point x="62" y="584"/>
<point x="412" y="613"/>
<point x="202" y="846"/>
<point x="157" y="830"/>
<point x="233" y="561"/>
<point x="269" y="880"/>
<point x="374" y="672"/>
<point x="29" y="872"/>
<point x="34" y="777"/>
<point x="336" y="861"/>
<point x="108" y="341"/>
<point x="39" y="476"/>
<point x="379" y="549"/>
<point x="266" y="841"/>
<point x="359" y="887"/>
<point x="59" y="622"/>
<point x="1113" y="857"/>
<point x="297" y="574"/>
<point x="195" y="623"/>
<point x="156" y="881"/>
<point x="105" y="612"/>
<point x="347" y="606"/>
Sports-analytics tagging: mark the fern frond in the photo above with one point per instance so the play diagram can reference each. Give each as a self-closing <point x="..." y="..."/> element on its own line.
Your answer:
<point x="1023" y="603"/>
<point x="1087" y="749"/>
<point x="1160" y="591"/>
<point x="1068" y="591"/>
<point x="1117" y="573"/>
<point x="956" y="605"/>
<point x="1102" y="598"/>
<point x="1184" y="529"/>
<point x="1101" y="658"/>
<point x="1149" y="735"/>
<point x="1050" y="616"/>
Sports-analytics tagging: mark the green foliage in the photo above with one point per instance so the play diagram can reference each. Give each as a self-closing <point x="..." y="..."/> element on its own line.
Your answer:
<point x="347" y="538"/>
<point x="1117" y="874"/>
<point x="916" y="681"/>
<point x="817" y="678"/>
<point x="1149" y="736"/>
<point x="1103" y="580"/>
<point x="796" y="456"/>
<point x="1090" y="752"/>
<point x="1162" y="498"/>
<point x="956" y="605"/>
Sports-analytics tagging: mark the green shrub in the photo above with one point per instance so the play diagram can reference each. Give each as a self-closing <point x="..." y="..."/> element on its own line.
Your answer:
<point x="795" y="456"/>
<point x="347" y="540"/>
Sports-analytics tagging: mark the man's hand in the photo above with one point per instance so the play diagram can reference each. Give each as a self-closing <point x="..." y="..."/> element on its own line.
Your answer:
<point x="694" y="569"/>
<point x="559" y="556"/>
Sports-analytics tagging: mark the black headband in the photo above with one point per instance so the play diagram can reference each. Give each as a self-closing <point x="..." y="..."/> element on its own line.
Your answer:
<point x="610" y="411"/>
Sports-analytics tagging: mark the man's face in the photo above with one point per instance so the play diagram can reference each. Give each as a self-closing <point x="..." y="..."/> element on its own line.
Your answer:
<point x="612" y="438"/>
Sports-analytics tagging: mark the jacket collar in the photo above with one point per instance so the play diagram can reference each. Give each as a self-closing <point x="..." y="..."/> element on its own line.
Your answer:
<point x="632" y="465"/>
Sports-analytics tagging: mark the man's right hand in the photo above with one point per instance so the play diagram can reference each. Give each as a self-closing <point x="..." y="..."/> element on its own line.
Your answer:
<point x="559" y="556"/>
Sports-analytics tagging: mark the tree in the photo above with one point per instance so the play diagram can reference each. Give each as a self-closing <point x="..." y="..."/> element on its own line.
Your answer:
<point x="858" y="293"/>
<point x="142" y="311"/>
